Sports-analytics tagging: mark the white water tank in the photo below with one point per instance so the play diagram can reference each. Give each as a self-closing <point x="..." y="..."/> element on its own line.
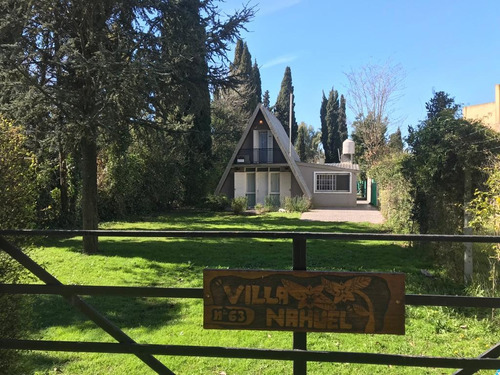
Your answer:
<point x="348" y="151"/>
<point x="348" y="147"/>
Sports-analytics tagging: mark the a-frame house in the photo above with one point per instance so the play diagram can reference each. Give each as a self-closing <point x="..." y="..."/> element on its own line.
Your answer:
<point x="263" y="164"/>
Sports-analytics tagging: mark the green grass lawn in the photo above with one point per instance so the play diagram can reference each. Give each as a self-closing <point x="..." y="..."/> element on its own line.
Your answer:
<point x="179" y="263"/>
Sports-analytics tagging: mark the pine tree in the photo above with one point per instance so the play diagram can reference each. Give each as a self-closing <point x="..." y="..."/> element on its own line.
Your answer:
<point x="103" y="67"/>
<point x="266" y="100"/>
<point x="282" y="106"/>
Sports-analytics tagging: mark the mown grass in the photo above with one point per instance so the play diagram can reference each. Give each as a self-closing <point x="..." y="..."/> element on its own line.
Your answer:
<point x="179" y="263"/>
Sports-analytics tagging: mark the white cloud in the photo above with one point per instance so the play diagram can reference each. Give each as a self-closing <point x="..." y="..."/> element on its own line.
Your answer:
<point x="279" y="61"/>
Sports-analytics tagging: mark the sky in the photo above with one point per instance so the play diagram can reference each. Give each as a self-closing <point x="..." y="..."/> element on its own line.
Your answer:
<point x="440" y="45"/>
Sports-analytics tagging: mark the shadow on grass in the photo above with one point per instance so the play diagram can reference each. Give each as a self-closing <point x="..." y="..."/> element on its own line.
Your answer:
<point x="228" y="221"/>
<point x="125" y="312"/>
<point x="45" y="363"/>
<point x="191" y="255"/>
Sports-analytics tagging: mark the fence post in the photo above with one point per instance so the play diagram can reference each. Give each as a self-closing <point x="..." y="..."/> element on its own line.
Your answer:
<point x="299" y="338"/>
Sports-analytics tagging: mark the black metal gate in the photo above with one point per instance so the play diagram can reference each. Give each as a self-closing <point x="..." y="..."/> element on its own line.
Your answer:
<point x="299" y="355"/>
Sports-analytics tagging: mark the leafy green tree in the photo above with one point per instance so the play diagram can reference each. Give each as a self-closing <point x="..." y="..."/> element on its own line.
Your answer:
<point x="395" y="191"/>
<point x="448" y="155"/>
<point x="17" y="178"/>
<point x="369" y="137"/>
<point x="440" y="102"/>
<point x="485" y="211"/>
<point x="282" y="106"/>
<point x="100" y="69"/>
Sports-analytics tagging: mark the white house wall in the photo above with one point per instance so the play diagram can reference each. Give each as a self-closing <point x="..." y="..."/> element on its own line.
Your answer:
<point x="240" y="184"/>
<point x="285" y="184"/>
<point x="328" y="199"/>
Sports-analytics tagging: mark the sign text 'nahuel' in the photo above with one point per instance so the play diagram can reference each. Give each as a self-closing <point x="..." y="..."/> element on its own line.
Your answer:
<point x="304" y="301"/>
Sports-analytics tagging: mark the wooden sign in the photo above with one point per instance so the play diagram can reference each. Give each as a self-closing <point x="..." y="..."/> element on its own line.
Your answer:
<point x="304" y="301"/>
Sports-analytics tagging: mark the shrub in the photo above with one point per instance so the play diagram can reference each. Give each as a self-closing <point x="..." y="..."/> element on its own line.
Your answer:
<point x="239" y="205"/>
<point x="260" y="208"/>
<point x="215" y="202"/>
<point x="297" y="204"/>
<point x="272" y="203"/>
<point x="396" y="201"/>
<point x="17" y="210"/>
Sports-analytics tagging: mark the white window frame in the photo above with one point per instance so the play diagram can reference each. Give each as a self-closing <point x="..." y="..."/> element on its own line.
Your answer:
<point x="316" y="174"/>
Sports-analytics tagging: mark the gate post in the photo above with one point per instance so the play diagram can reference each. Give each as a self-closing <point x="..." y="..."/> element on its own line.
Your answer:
<point x="299" y="338"/>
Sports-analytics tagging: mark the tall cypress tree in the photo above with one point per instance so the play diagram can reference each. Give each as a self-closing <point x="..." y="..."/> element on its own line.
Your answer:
<point x="342" y="121"/>
<point x="324" y="128"/>
<point x="266" y="100"/>
<point x="332" y="124"/>
<point x="244" y="66"/>
<point x="247" y="93"/>
<point x="282" y="106"/>
<point x="256" y="84"/>
<point x="238" y="50"/>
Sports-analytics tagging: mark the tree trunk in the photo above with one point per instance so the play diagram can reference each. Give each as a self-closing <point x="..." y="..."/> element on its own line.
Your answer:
<point x="89" y="189"/>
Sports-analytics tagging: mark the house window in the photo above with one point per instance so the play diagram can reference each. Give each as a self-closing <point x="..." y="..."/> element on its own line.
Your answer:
<point x="332" y="182"/>
<point x="274" y="191"/>
<point x="250" y="194"/>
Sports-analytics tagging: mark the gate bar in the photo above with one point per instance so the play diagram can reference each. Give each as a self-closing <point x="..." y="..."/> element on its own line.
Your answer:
<point x="81" y="305"/>
<point x="149" y="291"/>
<point x="299" y="338"/>
<point x="493" y="352"/>
<point x="253" y="234"/>
<point x="248" y="353"/>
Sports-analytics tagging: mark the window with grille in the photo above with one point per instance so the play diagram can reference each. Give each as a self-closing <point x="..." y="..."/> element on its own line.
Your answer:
<point x="332" y="182"/>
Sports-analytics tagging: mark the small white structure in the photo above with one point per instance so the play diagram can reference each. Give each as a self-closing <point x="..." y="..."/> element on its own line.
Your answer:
<point x="348" y="150"/>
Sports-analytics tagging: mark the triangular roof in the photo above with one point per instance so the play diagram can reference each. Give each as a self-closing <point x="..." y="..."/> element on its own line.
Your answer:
<point x="282" y="140"/>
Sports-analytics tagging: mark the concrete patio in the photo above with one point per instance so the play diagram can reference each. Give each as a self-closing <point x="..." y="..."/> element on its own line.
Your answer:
<point x="363" y="212"/>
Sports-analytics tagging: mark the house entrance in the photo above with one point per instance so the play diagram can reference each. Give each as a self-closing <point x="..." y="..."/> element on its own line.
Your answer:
<point x="259" y="184"/>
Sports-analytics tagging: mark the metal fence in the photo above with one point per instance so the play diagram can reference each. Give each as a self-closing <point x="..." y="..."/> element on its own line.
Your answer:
<point x="299" y="354"/>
